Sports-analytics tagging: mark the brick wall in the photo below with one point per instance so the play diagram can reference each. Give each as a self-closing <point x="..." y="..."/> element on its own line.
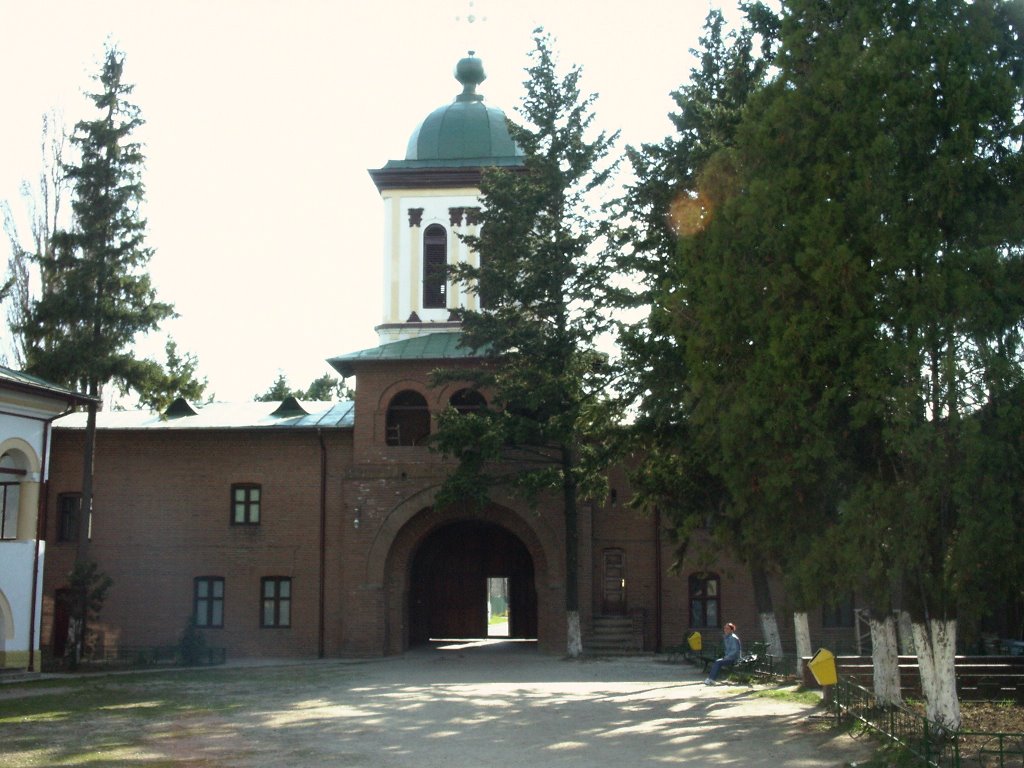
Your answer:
<point x="162" y="519"/>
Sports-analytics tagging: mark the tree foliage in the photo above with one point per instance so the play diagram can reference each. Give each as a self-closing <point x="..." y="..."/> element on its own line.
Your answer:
<point x="80" y="331"/>
<point x="44" y="203"/>
<point x="324" y="388"/>
<point x="159" y="385"/>
<point x="679" y="183"/>
<point x="539" y="276"/>
<point x="849" y="312"/>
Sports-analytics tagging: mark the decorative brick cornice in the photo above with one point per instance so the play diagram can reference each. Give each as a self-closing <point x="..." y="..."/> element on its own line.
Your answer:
<point x="455" y="216"/>
<point x="472" y="216"/>
<point x="415" y="217"/>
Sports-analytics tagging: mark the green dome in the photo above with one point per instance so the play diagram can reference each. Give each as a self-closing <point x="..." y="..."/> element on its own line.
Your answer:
<point x="464" y="130"/>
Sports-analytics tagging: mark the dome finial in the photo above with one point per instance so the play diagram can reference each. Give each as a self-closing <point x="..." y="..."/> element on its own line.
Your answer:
<point x="470" y="72"/>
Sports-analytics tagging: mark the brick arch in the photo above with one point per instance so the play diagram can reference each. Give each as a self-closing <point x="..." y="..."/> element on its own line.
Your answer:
<point x="388" y="393"/>
<point x="390" y="560"/>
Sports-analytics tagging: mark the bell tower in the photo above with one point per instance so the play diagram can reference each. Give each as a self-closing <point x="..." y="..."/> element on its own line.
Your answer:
<point x="430" y="199"/>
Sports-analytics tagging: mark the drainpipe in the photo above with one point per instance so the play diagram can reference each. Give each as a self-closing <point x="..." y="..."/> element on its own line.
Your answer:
<point x="657" y="579"/>
<point x="44" y="465"/>
<point x="323" y="543"/>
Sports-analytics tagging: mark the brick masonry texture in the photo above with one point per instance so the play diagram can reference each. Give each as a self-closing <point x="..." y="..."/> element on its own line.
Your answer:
<point x="162" y="518"/>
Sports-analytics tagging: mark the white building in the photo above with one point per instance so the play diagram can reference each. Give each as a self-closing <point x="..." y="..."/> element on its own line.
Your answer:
<point x="28" y="407"/>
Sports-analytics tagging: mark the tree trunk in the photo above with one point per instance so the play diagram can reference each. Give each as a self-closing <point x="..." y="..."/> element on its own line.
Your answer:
<point x="88" y="460"/>
<point x="885" y="659"/>
<point x="906" y="633"/>
<point x="85" y="524"/>
<point x="574" y="642"/>
<point x="574" y="638"/>
<point x="802" y="630"/>
<point x="936" y="654"/>
<point x="766" y="613"/>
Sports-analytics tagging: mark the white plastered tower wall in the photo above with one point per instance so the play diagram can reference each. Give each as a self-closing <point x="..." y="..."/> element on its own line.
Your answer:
<point x="407" y="214"/>
<point x="24" y="430"/>
<point x="28" y="407"/>
<point x="438" y="184"/>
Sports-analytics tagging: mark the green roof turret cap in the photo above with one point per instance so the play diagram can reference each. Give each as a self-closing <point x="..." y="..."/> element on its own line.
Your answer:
<point x="464" y="133"/>
<point x="470" y="72"/>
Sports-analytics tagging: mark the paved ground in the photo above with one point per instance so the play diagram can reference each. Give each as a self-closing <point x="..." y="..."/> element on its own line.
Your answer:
<point x="502" y="704"/>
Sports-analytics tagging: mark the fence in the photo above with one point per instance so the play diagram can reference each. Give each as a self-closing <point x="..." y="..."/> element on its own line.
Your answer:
<point x="933" y="745"/>
<point x="139" y="656"/>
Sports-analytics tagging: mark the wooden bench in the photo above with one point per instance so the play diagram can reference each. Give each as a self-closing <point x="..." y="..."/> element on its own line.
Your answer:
<point x="977" y="677"/>
<point x="753" y="661"/>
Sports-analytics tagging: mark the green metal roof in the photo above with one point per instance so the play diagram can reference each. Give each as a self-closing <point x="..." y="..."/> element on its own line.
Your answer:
<point x="182" y="415"/>
<point x="28" y="383"/>
<point x="463" y="133"/>
<point x="431" y="346"/>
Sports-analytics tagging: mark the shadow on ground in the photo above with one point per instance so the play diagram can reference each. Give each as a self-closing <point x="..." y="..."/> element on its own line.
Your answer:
<point x="449" y="704"/>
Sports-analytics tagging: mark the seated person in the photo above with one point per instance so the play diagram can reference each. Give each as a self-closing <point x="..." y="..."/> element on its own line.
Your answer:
<point x="733" y="650"/>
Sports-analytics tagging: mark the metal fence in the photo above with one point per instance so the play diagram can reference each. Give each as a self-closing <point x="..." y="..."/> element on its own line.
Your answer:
<point x="933" y="745"/>
<point x="142" y="656"/>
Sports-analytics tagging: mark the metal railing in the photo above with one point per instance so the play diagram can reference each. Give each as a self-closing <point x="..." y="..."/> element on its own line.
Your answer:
<point x="932" y="744"/>
<point x="143" y="656"/>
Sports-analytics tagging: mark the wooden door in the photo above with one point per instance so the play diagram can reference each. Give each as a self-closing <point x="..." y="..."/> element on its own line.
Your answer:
<point x="614" y="602"/>
<point x="61" y="620"/>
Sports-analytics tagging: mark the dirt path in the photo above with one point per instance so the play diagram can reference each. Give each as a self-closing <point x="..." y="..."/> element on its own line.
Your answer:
<point x="492" y="707"/>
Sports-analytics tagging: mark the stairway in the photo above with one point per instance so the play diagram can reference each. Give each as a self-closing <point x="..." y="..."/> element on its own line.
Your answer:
<point x="614" y="636"/>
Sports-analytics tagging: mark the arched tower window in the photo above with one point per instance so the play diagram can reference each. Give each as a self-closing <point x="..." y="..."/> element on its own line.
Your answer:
<point x="467" y="401"/>
<point x="408" y="419"/>
<point x="435" y="259"/>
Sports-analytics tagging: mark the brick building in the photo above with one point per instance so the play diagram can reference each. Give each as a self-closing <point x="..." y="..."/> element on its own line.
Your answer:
<point x="306" y="529"/>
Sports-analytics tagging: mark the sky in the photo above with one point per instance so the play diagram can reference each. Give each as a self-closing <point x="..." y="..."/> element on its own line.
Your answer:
<point x="262" y="119"/>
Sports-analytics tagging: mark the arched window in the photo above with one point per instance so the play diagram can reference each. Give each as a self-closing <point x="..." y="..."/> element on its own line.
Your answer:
<point x="11" y="475"/>
<point x="435" y="259"/>
<point x="467" y="401"/>
<point x="704" y="605"/>
<point x="408" y="419"/>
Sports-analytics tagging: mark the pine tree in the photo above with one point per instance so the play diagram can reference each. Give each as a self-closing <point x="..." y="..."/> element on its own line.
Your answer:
<point x="540" y="279"/>
<point x="99" y="298"/>
<point x="279" y="390"/>
<point x="160" y="385"/>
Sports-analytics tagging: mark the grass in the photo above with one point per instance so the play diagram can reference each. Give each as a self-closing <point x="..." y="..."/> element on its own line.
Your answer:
<point x="797" y="694"/>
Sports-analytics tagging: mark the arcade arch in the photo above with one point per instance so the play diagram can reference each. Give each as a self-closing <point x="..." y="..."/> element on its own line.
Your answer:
<point x="449" y="575"/>
<point x="493" y="542"/>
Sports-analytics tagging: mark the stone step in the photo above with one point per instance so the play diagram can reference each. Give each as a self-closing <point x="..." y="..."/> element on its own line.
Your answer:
<point x="612" y="635"/>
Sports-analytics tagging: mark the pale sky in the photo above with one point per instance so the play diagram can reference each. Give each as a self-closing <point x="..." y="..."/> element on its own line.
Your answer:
<point x="262" y="118"/>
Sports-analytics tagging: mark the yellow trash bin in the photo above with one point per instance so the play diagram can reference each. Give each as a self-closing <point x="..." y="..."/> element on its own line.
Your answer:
<point x="694" y="641"/>
<point x="823" y="667"/>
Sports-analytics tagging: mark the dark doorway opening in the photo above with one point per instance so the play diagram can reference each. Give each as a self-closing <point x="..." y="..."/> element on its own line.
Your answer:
<point x="453" y="573"/>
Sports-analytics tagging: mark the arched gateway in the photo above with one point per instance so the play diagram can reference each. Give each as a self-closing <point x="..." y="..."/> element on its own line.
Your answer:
<point x="437" y="572"/>
<point x="450" y="574"/>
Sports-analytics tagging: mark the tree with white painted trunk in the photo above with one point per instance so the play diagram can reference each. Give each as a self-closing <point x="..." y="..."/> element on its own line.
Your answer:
<point x="852" y="311"/>
<point x="885" y="659"/>
<point x="802" y="632"/>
